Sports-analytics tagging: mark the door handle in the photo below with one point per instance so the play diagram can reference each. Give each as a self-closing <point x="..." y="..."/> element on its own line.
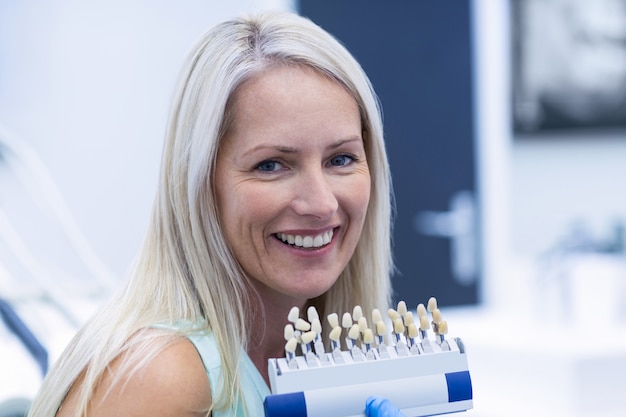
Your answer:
<point x="460" y="226"/>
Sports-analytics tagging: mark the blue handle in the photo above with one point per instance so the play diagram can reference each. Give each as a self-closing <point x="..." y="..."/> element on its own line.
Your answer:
<point x="28" y="339"/>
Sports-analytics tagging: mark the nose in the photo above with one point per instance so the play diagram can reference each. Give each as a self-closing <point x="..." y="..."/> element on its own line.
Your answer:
<point x="315" y="195"/>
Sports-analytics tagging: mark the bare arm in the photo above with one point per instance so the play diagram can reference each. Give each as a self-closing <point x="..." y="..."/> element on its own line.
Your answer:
<point x="174" y="383"/>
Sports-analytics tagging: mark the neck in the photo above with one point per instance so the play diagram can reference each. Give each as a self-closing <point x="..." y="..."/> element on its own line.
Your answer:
<point x="267" y="330"/>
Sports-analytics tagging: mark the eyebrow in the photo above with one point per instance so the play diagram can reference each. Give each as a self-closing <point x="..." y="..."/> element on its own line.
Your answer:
<point x="290" y="150"/>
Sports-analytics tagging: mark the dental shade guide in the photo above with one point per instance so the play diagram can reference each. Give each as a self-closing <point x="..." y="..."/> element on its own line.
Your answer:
<point x="306" y="347"/>
<point x="398" y="330"/>
<point x="290" y="349"/>
<point x="352" y="340"/>
<point x="424" y="340"/>
<point x="334" y="336"/>
<point x="420" y="376"/>
<point x="368" y="341"/>
<point x="381" y="331"/>
<point x="318" y="344"/>
<point x="441" y="340"/>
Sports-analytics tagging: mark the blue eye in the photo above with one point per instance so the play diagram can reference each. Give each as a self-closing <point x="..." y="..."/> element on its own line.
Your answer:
<point x="269" y="166"/>
<point x="341" y="160"/>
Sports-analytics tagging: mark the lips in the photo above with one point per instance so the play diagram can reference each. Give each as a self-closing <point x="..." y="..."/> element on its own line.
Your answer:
<point x="306" y="241"/>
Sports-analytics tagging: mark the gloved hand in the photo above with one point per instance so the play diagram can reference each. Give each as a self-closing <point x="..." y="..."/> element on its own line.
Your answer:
<point x="381" y="407"/>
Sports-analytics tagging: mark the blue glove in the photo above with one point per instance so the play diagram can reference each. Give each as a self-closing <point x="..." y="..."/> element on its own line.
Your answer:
<point x="381" y="407"/>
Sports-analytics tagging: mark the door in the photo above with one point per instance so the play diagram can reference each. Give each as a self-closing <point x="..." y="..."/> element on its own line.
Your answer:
<point x="418" y="55"/>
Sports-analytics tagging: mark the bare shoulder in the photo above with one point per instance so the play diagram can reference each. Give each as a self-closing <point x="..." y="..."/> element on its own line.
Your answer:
<point x="173" y="383"/>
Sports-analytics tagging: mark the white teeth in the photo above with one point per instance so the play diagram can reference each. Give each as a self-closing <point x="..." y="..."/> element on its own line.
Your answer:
<point x="307" y="241"/>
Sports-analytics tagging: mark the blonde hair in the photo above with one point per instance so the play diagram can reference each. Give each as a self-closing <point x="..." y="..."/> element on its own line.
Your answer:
<point x="185" y="270"/>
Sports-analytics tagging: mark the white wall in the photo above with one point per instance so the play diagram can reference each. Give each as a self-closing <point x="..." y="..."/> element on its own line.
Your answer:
<point x="534" y="188"/>
<point x="88" y="85"/>
<point x="523" y="348"/>
<point x="564" y="179"/>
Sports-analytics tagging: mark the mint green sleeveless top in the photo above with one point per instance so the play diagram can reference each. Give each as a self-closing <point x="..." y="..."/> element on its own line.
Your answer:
<point x="253" y="386"/>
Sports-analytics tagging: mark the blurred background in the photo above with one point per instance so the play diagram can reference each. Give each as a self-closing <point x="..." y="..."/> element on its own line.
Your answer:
<point x="506" y="128"/>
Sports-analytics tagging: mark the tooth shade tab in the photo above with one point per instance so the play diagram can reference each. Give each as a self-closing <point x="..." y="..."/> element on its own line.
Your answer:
<point x="393" y="314"/>
<point x="333" y="320"/>
<point x="368" y="336"/>
<point x="432" y="304"/>
<point x="424" y="324"/>
<point x="408" y="318"/>
<point x="312" y="314"/>
<point x="376" y="316"/>
<point x="291" y="345"/>
<point x="335" y="333"/>
<point x="308" y="336"/>
<point x="412" y="330"/>
<point x="362" y="324"/>
<point x="421" y="310"/>
<point x="289" y="332"/>
<point x="346" y="321"/>
<point x="316" y="241"/>
<point x="357" y="313"/>
<point x="354" y="332"/>
<point x="436" y="315"/>
<point x="316" y="326"/>
<point x="302" y="325"/>
<point x="398" y="326"/>
<point x="381" y="327"/>
<point x="402" y="310"/>
<point x="294" y="314"/>
<point x="443" y="327"/>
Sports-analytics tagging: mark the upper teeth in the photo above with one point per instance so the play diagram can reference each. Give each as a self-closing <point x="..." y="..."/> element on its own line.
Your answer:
<point x="307" y="241"/>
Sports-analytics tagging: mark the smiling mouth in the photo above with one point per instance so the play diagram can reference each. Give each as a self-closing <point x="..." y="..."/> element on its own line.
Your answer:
<point x="306" y="242"/>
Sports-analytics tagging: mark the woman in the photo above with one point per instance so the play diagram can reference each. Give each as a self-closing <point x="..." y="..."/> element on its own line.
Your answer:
<point x="274" y="193"/>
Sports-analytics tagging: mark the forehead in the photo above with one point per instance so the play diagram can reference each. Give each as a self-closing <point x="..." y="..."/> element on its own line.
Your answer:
<point x="292" y="98"/>
<point x="280" y="81"/>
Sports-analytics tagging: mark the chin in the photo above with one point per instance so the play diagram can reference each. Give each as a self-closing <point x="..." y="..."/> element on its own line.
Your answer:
<point x="307" y="292"/>
<point x="317" y="291"/>
<point x="304" y="288"/>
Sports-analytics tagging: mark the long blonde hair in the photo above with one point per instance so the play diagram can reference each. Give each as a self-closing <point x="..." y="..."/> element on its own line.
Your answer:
<point x="185" y="270"/>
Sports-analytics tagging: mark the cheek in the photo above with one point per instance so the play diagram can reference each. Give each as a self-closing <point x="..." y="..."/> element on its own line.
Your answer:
<point x="244" y="210"/>
<point x="365" y="189"/>
<point x="364" y="200"/>
<point x="357" y="200"/>
<point x="231" y="211"/>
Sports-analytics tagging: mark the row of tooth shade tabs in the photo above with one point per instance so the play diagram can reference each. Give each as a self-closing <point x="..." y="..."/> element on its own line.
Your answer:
<point x="406" y="336"/>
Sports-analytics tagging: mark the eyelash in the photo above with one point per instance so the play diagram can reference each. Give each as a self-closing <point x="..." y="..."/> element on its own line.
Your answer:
<point x="259" y="166"/>
<point x="351" y="158"/>
<point x="266" y="162"/>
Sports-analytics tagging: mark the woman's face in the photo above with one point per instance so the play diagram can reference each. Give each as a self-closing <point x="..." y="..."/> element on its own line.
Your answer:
<point x="292" y="181"/>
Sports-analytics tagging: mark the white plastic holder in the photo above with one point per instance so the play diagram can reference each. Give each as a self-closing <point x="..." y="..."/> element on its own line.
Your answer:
<point x="419" y="385"/>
